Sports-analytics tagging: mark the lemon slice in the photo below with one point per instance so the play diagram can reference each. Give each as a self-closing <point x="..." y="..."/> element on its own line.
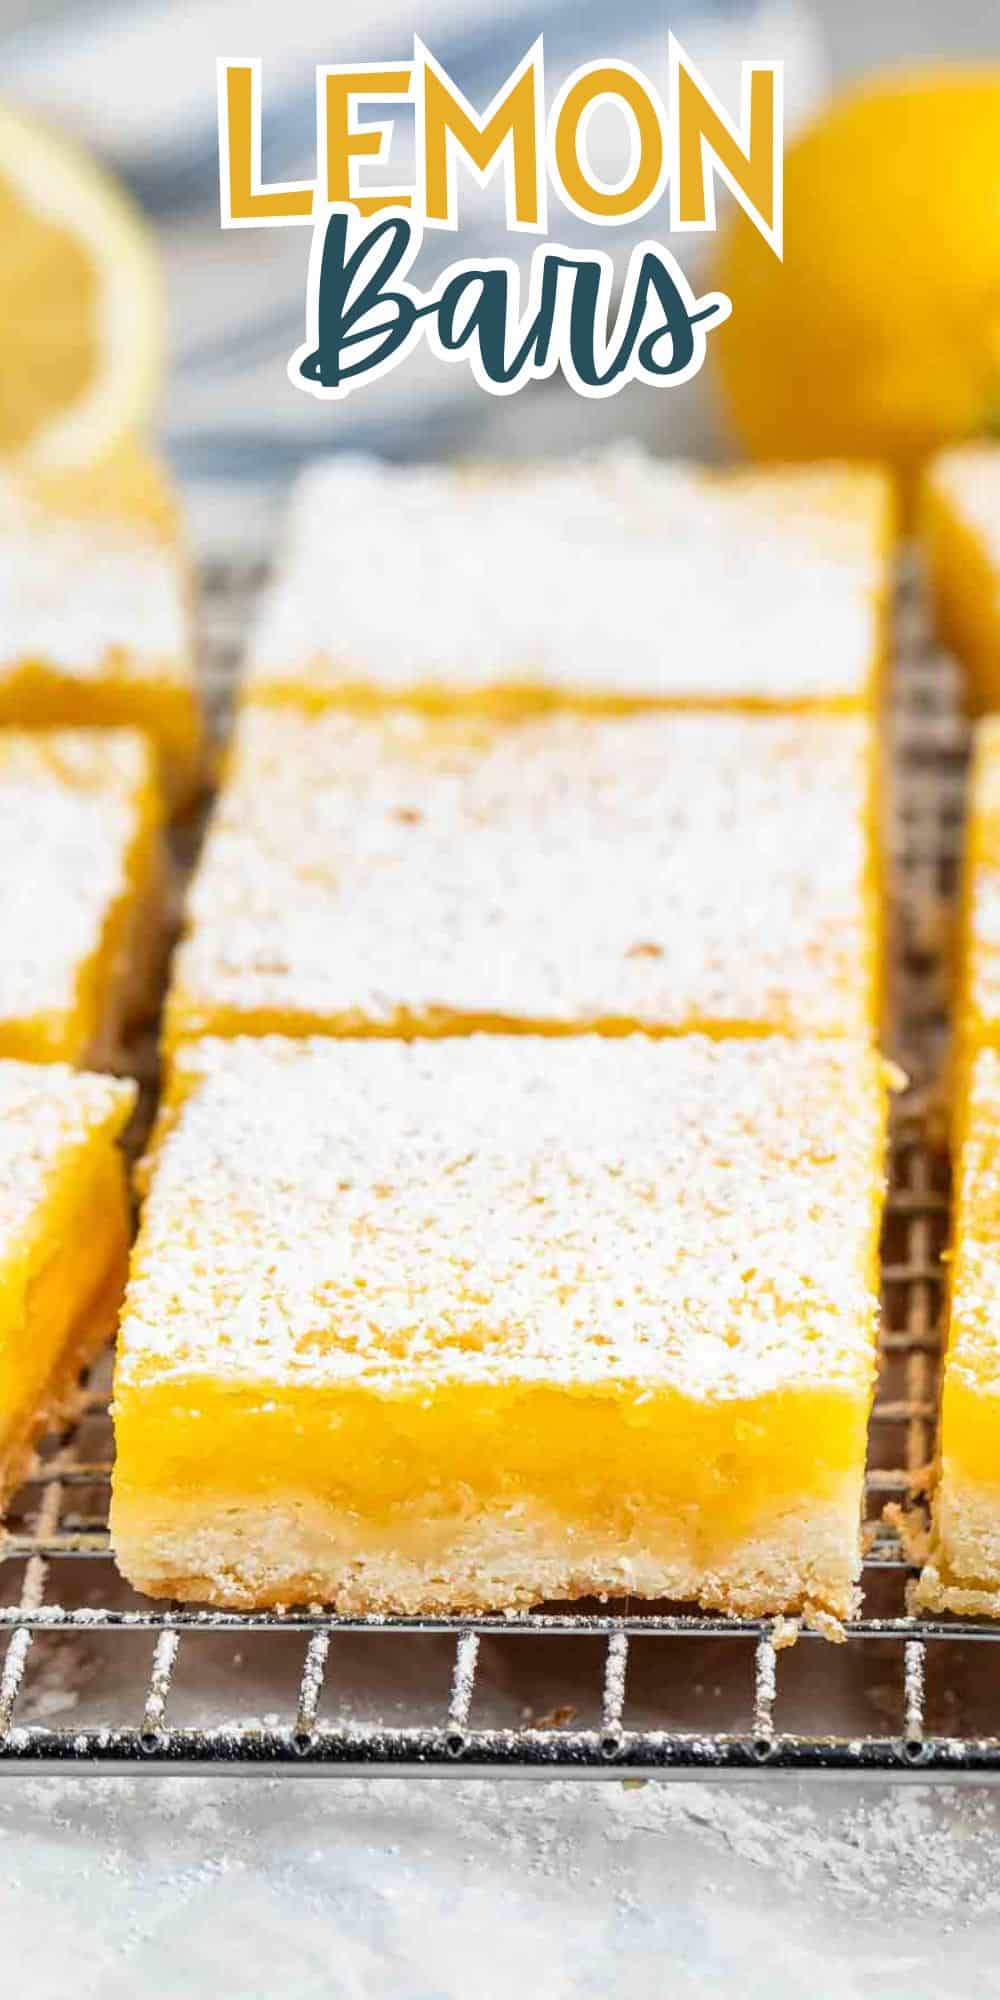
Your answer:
<point x="80" y="329"/>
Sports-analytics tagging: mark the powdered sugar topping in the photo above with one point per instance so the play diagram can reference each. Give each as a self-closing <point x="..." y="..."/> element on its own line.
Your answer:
<point x="665" y="870"/>
<point x="88" y="596"/>
<point x="614" y="577"/>
<point x="682" y="1214"/>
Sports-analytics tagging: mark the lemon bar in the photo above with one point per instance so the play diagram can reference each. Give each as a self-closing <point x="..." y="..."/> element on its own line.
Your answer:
<point x="436" y="1325"/>
<point x="963" y="1567"/>
<point x="961" y="534"/>
<point x="977" y="1005"/>
<point x="81" y="890"/>
<point x="412" y="874"/>
<point x="614" y="582"/>
<point x="63" y="1241"/>
<point x="95" y="624"/>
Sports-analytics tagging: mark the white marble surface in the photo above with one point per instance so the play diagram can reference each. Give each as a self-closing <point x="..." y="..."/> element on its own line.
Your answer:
<point x="428" y="1890"/>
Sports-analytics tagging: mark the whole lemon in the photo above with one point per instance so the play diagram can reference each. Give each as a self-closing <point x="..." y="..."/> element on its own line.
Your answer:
<point x="879" y="333"/>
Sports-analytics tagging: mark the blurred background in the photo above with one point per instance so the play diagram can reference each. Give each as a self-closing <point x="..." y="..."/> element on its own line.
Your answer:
<point x="135" y="79"/>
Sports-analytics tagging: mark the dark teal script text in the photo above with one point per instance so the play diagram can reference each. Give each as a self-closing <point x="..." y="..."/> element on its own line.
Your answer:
<point x="599" y="326"/>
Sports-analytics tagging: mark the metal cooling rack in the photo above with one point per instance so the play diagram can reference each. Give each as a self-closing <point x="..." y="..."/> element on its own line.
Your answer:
<point x="98" y="1678"/>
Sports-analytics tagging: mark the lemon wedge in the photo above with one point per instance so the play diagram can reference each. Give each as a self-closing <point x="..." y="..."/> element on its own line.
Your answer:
<point x="81" y="327"/>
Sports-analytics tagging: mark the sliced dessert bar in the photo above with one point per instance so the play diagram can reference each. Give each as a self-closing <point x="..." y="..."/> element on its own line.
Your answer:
<point x="961" y="532"/>
<point x="63" y="1241"/>
<point x="81" y="890"/>
<point x="428" y="875"/>
<point x="433" y="1326"/>
<point x="613" y="582"/>
<point x="977" y="1006"/>
<point x="95" y="624"/>
<point x="963" y="1566"/>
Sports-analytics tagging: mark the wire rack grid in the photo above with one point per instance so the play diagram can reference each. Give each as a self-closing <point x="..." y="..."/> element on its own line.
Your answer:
<point x="97" y="1678"/>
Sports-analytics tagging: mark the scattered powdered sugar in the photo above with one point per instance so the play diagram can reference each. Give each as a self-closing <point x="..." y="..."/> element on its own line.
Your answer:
<point x="659" y="870"/>
<point x="71" y="802"/>
<point x="614" y="576"/>
<point x="407" y="1887"/>
<point x="914" y="1849"/>
<point x="680" y="1213"/>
